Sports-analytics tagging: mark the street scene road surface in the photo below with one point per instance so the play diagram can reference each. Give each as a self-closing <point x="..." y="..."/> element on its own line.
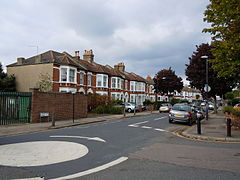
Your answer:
<point x="143" y="147"/>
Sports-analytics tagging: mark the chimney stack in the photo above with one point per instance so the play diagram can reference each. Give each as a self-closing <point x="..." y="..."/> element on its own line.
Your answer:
<point x="88" y="56"/>
<point x="77" y="56"/>
<point x="148" y="78"/>
<point x="120" y="67"/>
<point x="38" y="59"/>
<point x="20" y="60"/>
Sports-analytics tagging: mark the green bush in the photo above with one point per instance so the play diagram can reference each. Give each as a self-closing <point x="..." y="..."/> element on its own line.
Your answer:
<point x="108" y="110"/>
<point x="227" y="109"/>
<point x="175" y="101"/>
<point x="231" y="110"/>
<point x="148" y="102"/>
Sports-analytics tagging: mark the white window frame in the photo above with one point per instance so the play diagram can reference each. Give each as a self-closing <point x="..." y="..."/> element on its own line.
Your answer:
<point x="68" y="74"/>
<point x="114" y="85"/>
<point x="100" y="78"/>
<point x="89" y="81"/>
<point x="81" y="79"/>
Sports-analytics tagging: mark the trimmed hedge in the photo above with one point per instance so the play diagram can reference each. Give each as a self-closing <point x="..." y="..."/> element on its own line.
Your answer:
<point x="231" y="110"/>
<point x="108" y="110"/>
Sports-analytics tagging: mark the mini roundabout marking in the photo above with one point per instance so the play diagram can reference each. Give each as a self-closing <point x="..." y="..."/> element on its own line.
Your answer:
<point x="42" y="153"/>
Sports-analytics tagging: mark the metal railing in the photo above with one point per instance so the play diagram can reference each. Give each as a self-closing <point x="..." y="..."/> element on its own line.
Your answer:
<point x="15" y="107"/>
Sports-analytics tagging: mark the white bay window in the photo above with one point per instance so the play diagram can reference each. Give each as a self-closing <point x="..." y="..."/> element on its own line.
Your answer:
<point x="68" y="74"/>
<point x="102" y="80"/>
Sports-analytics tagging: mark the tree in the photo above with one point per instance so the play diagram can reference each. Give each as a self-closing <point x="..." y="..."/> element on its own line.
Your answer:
<point x="45" y="83"/>
<point x="196" y="73"/>
<point x="224" y="17"/>
<point x="166" y="81"/>
<point x="7" y="83"/>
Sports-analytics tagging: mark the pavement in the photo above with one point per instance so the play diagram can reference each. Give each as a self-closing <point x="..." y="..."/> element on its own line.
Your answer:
<point x="213" y="129"/>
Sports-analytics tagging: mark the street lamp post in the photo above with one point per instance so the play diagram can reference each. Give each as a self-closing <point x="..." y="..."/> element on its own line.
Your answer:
<point x="207" y="87"/>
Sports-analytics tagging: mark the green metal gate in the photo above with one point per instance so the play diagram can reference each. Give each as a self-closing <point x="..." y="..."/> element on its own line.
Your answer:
<point x="15" y="107"/>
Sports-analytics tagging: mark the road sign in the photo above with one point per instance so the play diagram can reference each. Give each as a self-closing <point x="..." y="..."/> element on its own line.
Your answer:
<point x="207" y="88"/>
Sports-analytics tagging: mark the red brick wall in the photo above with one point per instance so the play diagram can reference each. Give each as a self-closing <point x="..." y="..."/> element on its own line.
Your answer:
<point x="59" y="104"/>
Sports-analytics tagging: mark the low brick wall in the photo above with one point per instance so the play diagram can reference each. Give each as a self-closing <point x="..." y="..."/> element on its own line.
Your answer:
<point x="58" y="105"/>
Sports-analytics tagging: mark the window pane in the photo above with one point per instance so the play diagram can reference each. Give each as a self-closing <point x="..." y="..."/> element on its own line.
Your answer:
<point x="118" y="83"/>
<point x="81" y="78"/>
<point x="63" y="74"/>
<point x="89" y="80"/>
<point x="105" y="81"/>
<point x="99" y="80"/>
<point x="72" y="75"/>
<point x="113" y="82"/>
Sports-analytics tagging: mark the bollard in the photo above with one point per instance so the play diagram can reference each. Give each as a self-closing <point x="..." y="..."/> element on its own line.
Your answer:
<point x="53" y="120"/>
<point x="198" y="126"/>
<point x="229" y="127"/>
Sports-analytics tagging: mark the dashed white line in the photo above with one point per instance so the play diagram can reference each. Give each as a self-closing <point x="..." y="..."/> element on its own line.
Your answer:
<point x="160" y="118"/>
<point x="146" y="127"/>
<point x="133" y="125"/>
<point x="90" y="171"/>
<point x="162" y="130"/>
<point x="141" y="122"/>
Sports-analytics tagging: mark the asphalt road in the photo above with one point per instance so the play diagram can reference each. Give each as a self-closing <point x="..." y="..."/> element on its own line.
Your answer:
<point x="132" y="148"/>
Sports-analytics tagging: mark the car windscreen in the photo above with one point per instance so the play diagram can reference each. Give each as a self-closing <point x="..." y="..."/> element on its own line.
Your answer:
<point x="181" y="108"/>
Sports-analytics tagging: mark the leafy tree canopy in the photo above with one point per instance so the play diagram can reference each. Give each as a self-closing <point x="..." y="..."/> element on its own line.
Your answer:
<point x="224" y="17"/>
<point x="196" y="73"/>
<point x="7" y="83"/>
<point x="166" y="81"/>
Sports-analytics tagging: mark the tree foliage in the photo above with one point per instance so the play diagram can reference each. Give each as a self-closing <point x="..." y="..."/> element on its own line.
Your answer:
<point x="166" y="81"/>
<point x="224" y="17"/>
<point x="45" y="83"/>
<point x="7" y="83"/>
<point x="196" y="73"/>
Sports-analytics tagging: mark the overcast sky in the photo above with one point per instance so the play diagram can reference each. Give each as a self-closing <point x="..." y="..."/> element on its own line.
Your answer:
<point x="147" y="35"/>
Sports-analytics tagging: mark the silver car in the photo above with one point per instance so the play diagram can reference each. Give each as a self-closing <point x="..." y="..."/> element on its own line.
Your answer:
<point x="182" y="113"/>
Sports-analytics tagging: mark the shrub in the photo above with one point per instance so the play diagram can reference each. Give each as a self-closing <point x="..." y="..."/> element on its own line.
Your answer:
<point x="108" y="110"/>
<point x="234" y="115"/>
<point x="227" y="109"/>
<point x="148" y="102"/>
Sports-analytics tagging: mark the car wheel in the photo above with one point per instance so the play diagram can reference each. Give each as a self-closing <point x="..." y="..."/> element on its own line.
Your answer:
<point x="129" y="110"/>
<point x="170" y="120"/>
<point x="160" y="111"/>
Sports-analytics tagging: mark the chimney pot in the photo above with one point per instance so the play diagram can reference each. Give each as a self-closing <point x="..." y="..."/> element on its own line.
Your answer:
<point x="20" y="60"/>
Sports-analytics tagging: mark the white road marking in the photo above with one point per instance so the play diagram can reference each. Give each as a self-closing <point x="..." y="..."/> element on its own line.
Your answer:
<point x="35" y="178"/>
<point x="137" y="124"/>
<point x="40" y="153"/>
<point x="160" y="118"/>
<point x="162" y="130"/>
<point x="81" y="137"/>
<point x="97" y="169"/>
<point x="133" y="125"/>
<point x="141" y="122"/>
<point x="146" y="127"/>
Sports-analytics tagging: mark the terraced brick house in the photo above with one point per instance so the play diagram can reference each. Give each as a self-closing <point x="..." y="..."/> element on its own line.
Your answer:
<point x="69" y="73"/>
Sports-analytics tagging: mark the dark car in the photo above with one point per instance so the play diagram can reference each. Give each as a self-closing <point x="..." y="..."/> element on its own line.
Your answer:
<point x="182" y="113"/>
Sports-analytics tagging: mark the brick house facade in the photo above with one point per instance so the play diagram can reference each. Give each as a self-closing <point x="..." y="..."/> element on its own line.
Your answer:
<point x="72" y="74"/>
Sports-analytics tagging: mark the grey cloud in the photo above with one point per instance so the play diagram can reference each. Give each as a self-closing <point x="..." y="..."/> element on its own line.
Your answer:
<point x="150" y="34"/>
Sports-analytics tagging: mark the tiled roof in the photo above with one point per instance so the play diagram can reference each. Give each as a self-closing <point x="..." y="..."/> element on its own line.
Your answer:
<point x="67" y="59"/>
<point x="50" y="57"/>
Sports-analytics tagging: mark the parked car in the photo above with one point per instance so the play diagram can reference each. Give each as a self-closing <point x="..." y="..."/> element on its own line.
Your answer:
<point x="129" y="107"/>
<point x="210" y="106"/>
<point x="182" y="113"/>
<point x="200" y="112"/>
<point x="165" y="107"/>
